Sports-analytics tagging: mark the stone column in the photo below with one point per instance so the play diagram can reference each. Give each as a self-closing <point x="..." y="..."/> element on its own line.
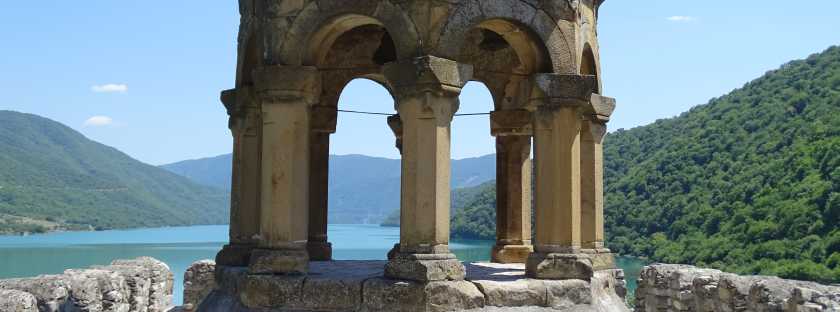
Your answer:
<point x="245" y="126"/>
<point x="323" y="125"/>
<point x="427" y="90"/>
<point x="560" y="101"/>
<point x="287" y="94"/>
<point x="592" y="180"/>
<point x="513" y="130"/>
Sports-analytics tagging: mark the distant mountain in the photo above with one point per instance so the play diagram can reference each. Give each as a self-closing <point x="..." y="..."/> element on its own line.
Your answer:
<point x="363" y="189"/>
<point x="53" y="178"/>
<point x="748" y="183"/>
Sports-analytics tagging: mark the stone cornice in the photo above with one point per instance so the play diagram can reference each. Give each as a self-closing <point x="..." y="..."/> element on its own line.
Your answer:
<point x="427" y="74"/>
<point x="601" y="107"/>
<point x="556" y="90"/>
<point x="324" y="119"/>
<point x="511" y="122"/>
<point x="288" y="84"/>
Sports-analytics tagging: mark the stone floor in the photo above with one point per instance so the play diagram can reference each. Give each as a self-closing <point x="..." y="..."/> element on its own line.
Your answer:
<point x="360" y="286"/>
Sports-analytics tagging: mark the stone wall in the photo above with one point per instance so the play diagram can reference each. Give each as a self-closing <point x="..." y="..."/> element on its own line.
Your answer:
<point x="669" y="287"/>
<point x="139" y="285"/>
<point x="199" y="281"/>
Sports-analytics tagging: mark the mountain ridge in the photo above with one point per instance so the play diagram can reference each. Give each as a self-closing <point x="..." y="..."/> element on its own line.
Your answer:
<point x="58" y="179"/>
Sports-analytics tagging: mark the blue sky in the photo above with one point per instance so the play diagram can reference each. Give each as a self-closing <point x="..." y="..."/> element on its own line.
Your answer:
<point x="144" y="76"/>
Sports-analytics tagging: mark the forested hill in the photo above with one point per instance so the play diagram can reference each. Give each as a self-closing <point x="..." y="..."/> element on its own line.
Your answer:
<point x="53" y="178"/>
<point x="749" y="182"/>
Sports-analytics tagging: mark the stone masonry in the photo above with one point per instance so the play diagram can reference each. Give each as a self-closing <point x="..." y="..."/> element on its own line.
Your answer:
<point x="139" y="285"/>
<point x="538" y="58"/>
<point x="360" y="286"/>
<point x="671" y="287"/>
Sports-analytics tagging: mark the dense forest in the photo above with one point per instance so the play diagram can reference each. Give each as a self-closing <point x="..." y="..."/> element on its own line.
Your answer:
<point x="748" y="183"/>
<point x="53" y="178"/>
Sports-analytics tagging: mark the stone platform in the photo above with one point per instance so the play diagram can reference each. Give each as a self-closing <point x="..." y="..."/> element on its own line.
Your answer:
<point x="360" y="286"/>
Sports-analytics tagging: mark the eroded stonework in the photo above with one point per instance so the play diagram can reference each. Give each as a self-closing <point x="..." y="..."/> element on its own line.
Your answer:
<point x="360" y="286"/>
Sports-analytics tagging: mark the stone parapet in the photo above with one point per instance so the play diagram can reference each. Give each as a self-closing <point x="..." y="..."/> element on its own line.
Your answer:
<point x="670" y="287"/>
<point x="139" y="285"/>
<point x="360" y="286"/>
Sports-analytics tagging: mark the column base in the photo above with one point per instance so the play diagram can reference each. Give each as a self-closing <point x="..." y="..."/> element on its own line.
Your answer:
<point x="559" y="266"/>
<point x="319" y="251"/>
<point x="278" y="261"/>
<point x="425" y="267"/>
<point x="511" y="253"/>
<point x="235" y="255"/>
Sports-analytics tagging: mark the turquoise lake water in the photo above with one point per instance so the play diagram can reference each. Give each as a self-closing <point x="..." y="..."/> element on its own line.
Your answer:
<point x="25" y="256"/>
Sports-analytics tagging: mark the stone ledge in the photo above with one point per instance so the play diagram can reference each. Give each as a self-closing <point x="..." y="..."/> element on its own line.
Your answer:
<point x="670" y="287"/>
<point x="142" y="284"/>
<point x="360" y="286"/>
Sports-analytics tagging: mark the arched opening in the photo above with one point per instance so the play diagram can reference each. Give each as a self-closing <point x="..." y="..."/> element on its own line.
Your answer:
<point x="588" y="65"/>
<point x="504" y="55"/>
<point x="250" y="59"/>
<point x="473" y="213"/>
<point x="351" y="40"/>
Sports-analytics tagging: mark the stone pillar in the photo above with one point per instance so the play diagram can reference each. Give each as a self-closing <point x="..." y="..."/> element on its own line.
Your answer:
<point x="245" y="126"/>
<point x="560" y="101"/>
<point x="513" y="130"/>
<point x="427" y="90"/>
<point x="592" y="180"/>
<point x="323" y="125"/>
<point x="287" y="94"/>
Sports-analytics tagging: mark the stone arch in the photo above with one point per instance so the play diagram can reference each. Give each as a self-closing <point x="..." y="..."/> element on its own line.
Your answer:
<point x="250" y="58"/>
<point x="589" y="65"/>
<point x="522" y="24"/>
<point x="322" y="22"/>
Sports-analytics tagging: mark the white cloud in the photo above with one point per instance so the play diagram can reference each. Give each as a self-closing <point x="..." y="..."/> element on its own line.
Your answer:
<point x="110" y="88"/>
<point x="99" y="121"/>
<point x="682" y="18"/>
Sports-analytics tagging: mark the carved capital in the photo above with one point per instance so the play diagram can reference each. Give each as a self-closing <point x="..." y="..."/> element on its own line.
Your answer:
<point x="511" y="122"/>
<point x="427" y="74"/>
<point x="601" y="107"/>
<point x="556" y="90"/>
<point x="396" y="125"/>
<point x="324" y="119"/>
<point x="597" y="130"/>
<point x="288" y="84"/>
<point x="241" y="108"/>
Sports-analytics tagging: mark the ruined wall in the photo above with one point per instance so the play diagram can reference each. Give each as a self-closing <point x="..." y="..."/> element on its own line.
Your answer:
<point x="139" y="285"/>
<point x="669" y="287"/>
<point x="199" y="281"/>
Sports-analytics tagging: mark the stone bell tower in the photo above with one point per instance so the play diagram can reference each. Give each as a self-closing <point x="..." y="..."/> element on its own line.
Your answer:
<point x="538" y="58"/>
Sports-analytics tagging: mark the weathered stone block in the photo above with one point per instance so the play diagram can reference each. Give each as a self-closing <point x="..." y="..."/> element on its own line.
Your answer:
<point x="519" y="293"/>
<point x="559" y="266"/>
<point x="234" y="255"/>
<point x="270" y="291"/>
<point x="265" y="261"/>
<point x="411" y="267"/>
<point x="199" y="281"/>
<point x="568" y="293"/>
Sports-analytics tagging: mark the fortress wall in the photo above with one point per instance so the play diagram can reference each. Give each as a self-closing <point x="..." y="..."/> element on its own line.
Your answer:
<point x="670" y="287"/>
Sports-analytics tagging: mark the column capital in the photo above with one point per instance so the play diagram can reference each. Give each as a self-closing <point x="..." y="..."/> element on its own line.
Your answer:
<point x="288" y="84"/>
<point x="324" y="119"/>
<point x="556" y="90"/>
<point x="427" y="74"/>
<point x="511" y="122"/>
<point x="601" y="108"/>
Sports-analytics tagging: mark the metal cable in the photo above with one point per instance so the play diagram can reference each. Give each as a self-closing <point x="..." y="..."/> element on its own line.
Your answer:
<point x="387" y="114"/>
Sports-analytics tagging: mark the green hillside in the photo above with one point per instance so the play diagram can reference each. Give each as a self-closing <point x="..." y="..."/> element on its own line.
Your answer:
<point x="748" y="183"/>
<point x="53" y="178"/>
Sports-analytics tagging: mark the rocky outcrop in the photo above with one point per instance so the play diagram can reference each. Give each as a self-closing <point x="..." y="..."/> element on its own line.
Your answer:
<point x="139" y="285"/>
<point x="199" y="281"/>
<point x="668" y="287"/>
